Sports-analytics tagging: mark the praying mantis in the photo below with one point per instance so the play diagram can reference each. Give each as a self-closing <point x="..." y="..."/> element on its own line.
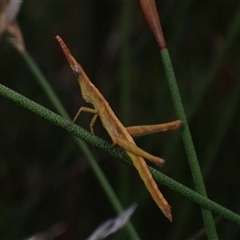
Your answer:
<point x="120" y="135"/>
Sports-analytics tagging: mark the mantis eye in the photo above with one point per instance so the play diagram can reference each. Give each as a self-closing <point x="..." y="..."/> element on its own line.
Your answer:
<point x="77" y="71"/>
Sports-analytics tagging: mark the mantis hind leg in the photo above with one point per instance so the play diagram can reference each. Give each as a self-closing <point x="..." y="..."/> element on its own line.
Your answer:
<point x="130" y="147"/>
<point x="148" y="129"/>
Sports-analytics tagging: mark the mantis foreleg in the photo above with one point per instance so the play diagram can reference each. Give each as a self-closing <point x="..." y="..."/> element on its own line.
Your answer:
<point x="90" y="110"/>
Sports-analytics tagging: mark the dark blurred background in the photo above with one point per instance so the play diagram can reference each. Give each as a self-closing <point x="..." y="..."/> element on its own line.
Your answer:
<point x="45" y="178"/>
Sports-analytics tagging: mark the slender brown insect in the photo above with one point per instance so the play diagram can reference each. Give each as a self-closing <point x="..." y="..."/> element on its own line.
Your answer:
<point x="120" y="135"/>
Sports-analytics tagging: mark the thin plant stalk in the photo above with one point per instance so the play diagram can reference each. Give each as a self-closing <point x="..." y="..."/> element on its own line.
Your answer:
<point x="229" y="111"/>
<point x="86" y="136"/>
<point x="150" y="12"/>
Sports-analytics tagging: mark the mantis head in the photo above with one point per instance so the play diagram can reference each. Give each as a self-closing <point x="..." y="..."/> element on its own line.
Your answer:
<point x="75" y="66"/>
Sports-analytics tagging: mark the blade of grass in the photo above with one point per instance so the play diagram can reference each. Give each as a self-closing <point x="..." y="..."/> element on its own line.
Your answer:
<point x="116" y="153"/>
<point x="211" y="152"/>
<point x="150" y="12"/>
<point x="188" y="143"/>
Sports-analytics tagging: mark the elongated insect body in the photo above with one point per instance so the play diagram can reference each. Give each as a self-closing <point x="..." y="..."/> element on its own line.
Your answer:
<point x="119" y="134"/>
